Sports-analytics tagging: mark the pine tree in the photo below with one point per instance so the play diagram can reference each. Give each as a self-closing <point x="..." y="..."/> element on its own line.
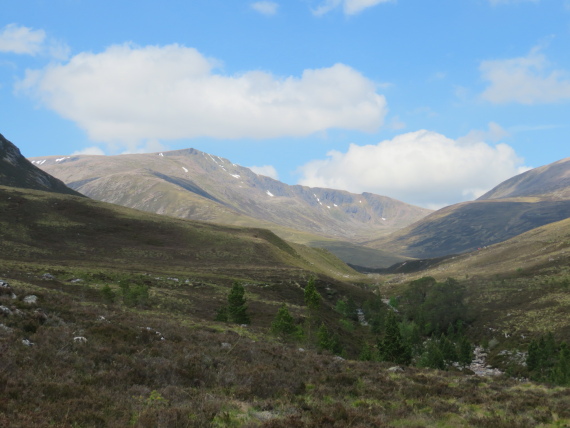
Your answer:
<point x="560" y="374"/>
<point x="367" y="353"/>
<point x="237" y="308"/>
<point x="324" y="338"/>
<point x="432" y="357"/>
<point x="351" y="310"/>
<point x="222" y="314"/>
<point x="392" y="346"/>
<point x="465" y="351"/>
<point x="313" y="302"/>
<point x="447" y="349"/>
<point x="312" y="296"/>
<point x="284" y="324"/>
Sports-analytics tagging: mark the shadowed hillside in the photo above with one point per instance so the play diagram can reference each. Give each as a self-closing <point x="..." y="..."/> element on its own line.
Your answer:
<point x="17" y="171"/>
<point x="527" y="201"/>
<point x="46" y="227"/>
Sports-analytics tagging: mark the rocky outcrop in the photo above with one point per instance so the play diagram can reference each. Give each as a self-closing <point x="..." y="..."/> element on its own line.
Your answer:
<point x="17" y="171"/>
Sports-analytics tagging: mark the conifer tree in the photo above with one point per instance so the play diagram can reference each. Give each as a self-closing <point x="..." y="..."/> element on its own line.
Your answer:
<point x="312" y="296"/>
<point x="313" y="302"/>
<point x="237" y="308"/>
<point x="432" y="357"/>
<point x="447" y="349"/>
<point x="367" y="353"/>
<point x="392" y="346"/>
<point x="351" y="310"/>
<point x="284" y="324"/>
<point x="323" y="338"/>
<point x="560" y="374"/>
<point x="465" y="351"/>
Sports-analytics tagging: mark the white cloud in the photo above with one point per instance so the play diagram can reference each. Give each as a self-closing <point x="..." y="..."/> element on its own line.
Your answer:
<point x="495" y="133"/>
<point x="26" y="41"/>
<point x="422" y="168"/>
<point x="149" y="146"/>
<point x="349" y="7"/>
<point x="526" y="80"/>
<point x="21" y="40"/>
<point x="265" y="7"/>
<point x="267" y="170"/>
<point x="93" y="150"/>
<point x="127" y="94"/>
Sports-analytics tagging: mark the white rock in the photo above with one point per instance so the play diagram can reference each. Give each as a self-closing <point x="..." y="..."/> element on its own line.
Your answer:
<point x="6" y="328"/>
<point x="31" y="299"/>
<point x="80" y="339"/>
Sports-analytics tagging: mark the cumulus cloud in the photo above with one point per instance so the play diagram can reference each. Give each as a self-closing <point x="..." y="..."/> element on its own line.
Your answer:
<point x="422" y="168"/>
<point x="267" y="170"/>
<point x="127" y="94"/>
<point x="21" y="40"/>
<point x="26" y="41"/>
<point x="93" y="150"/>
<point x="349" y="7"/>
<point x="526" y="80"/>
<point x="265" y="7"/>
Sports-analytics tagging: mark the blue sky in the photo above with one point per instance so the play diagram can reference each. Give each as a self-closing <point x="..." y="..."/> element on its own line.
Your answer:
<point x="429" y="102"/>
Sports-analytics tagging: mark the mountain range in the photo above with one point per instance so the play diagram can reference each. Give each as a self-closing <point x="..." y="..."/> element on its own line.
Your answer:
<point x="364" y="230"/>
<point x="199" y="186"/>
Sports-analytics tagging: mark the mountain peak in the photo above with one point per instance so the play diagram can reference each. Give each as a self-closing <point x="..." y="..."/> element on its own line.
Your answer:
<point x="17" y="171"/>
<point x="550" y="182"/>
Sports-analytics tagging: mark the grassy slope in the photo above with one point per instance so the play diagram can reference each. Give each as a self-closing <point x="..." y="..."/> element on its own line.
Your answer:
<point x="519" y="288"/>
<point x="470" y="225"/>
<point x="203" y="373"/>
<point x="51" y="228"/>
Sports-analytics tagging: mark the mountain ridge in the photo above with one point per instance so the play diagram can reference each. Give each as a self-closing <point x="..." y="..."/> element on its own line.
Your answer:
<point x="17" y="171"/>
<point x="511" y="208"/>
<point x="196" y="185"/>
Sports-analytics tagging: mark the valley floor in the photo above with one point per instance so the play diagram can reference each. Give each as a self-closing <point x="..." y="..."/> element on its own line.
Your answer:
<point x="71" y="358"/>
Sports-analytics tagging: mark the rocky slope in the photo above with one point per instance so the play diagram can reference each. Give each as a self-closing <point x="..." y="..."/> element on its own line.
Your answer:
<point x="17" y="171"/>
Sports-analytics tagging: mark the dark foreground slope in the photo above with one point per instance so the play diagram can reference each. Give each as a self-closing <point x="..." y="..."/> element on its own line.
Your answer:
<point x="52" y="228"/>
<point x="17" y="171"/>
